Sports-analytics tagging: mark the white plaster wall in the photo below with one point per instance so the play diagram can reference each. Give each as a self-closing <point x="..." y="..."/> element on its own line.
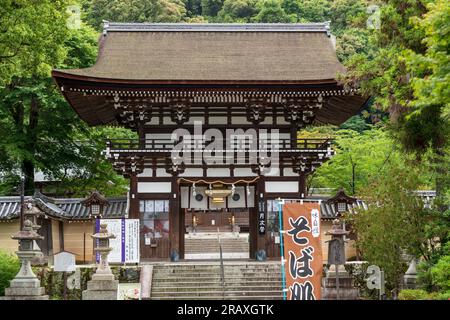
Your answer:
<point x="281" y="186"/>
<point x="154" y="187"/>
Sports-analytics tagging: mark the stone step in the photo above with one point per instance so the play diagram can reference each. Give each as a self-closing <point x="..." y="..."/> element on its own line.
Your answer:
<point x="219" y="297"/>
<point x="211" y="292"/>
<point x="214" y="278"/>
<point x="217" y="267"/>
<point x="168" y="284"/>
<point x="218" y="275"/>
<point x="203" y="281"/>
<point x="226" y="269"/>
<point x="205" y="272"/>
<point x="208" y="272"/>
<point x="216" y="287"/>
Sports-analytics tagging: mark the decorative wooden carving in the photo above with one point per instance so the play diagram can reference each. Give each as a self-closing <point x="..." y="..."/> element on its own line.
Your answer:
<point x="180" y="110"/>
<point x="130" y="165"/>
<point x="256" y="109"/>
<point x="174" y="167"/>
<point x="305" y="165"/>
<point x="301" y="112"/>
<point x="261" y="168"/>
<point x="133" y="112"/>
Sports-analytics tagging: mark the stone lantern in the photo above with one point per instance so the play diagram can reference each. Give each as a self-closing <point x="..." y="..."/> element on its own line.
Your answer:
<point x="26" y="286"/>
<point x="103" y="249"/>
<point x="103" y="285"/>
<point x="338" y="284"/>
<point x="31" y="213"/>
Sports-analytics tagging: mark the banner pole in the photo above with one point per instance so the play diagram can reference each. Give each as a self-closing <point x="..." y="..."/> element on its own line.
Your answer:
<point x="280" y="221"/>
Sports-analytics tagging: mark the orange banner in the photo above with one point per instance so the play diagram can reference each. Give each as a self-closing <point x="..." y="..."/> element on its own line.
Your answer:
<point x="302" y="250"/>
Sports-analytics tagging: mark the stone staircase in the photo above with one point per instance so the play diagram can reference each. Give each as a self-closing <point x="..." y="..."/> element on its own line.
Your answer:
<point x="206" y="246"/>
<point x="199" y="281"/>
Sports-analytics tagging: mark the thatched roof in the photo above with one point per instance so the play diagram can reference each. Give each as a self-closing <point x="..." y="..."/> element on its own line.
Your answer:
<point x="214" y="52"/>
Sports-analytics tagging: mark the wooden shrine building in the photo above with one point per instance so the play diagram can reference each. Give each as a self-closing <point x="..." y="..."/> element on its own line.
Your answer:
<point x="216" y="108"/>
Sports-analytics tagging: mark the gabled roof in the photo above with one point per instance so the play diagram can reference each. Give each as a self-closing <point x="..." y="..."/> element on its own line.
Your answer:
<point x="61" y="208"/>
<point x="143" y="52"/>
<point x="341" y="196"/>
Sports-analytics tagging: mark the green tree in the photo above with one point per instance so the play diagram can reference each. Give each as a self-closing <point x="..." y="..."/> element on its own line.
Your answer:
<point x="238" y="10"/>
<point x="359" y="157"/>
<point x="348" y="14"/>
<point x="134" y="11"/>
<point x="30" y="37"/>
<point x="356" y="123"/>
<point x="210" y="8"/>
<point x="393" y="223"/>
<point x="94" y="172"/>
<point x="193" y="8"/>
<point x="35" y="121"/>
<point x="392" y="74"/>
<point x="271" y="11"/>
<point x="308" y="10"/>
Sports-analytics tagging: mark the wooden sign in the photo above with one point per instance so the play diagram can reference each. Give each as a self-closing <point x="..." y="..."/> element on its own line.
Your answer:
<point x="303" y="250"/>
<point x="125" y="246"/>
<point x="261" y="218"/>
<point x="64" y="261"/>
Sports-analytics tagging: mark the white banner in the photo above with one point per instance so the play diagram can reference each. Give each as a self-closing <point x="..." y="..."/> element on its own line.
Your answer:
<point x="125" y="247"/>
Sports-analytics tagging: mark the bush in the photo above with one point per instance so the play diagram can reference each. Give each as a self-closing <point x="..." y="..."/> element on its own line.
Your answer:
<point x="417" y="294"/>
<point x="9" y="267"/>
<point x="440" y="273"/>
<point x="443" y="296"/>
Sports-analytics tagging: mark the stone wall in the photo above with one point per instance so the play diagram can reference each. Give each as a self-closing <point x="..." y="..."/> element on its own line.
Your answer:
<point x="54" y="284"/>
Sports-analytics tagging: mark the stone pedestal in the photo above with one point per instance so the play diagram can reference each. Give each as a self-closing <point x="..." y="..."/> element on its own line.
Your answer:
<point x="25" y="286"/>
<point x="347" y="291"/>
<point x="101" y="287"/>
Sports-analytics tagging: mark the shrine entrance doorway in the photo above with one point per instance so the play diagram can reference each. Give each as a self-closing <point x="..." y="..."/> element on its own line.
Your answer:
<point x="209" y="231"/>
<point x="217" y="220"/>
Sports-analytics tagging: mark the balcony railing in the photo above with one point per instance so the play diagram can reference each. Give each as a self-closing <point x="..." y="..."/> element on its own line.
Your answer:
<point x="167" y="145"/>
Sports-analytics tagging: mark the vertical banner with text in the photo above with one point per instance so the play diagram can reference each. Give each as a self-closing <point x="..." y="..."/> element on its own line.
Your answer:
<point x="302" y="250"/>
<point x="125" y="246"/>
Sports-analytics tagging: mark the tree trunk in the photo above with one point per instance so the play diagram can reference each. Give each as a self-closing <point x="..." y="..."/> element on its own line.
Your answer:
<point x="31" y="140"/>
<point x="353" y="179"/>
<point x="439" y="162"/>
<point x="28" y="171"/>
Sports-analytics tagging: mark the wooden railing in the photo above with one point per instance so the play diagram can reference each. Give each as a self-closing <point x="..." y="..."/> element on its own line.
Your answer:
<point x="166" y="145"/>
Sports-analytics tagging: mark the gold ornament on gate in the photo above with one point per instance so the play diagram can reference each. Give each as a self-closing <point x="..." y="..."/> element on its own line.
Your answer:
<point x="218" y="193"/>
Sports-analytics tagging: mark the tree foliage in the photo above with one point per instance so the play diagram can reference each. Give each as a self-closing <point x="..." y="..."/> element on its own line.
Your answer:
<point x="134" y="11"/>
<point x="359" y="157"/>
<point x="9" y="267"/>
<point x="394" y="222"/>
<point x="30" y="39"/>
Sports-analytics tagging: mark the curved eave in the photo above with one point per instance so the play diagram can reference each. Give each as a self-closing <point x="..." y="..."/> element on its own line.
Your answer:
<point x="96" y="111"/>
<point x="59" y="74"/>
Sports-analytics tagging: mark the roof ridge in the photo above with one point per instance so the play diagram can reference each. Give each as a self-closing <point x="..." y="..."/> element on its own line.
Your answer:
<point x="215" y="27"/>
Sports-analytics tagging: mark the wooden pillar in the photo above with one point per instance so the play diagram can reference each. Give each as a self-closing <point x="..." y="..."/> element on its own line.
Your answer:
<point x="141" y="133"/>
<point x="61" y="235"/>
<point x="133" y="198"/>
<point x="260" y="196"/>
<point x="175" y="220"/>
<point x="253" y="229"/>
<point x="302" y="184"/>
<point x="182" y="226"/>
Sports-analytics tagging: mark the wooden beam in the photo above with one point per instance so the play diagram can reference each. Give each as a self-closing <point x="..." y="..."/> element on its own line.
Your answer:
<point x="134" y="200"/>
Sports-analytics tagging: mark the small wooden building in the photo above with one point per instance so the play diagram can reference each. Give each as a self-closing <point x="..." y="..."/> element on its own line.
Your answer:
<point x="65" y="224"/>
